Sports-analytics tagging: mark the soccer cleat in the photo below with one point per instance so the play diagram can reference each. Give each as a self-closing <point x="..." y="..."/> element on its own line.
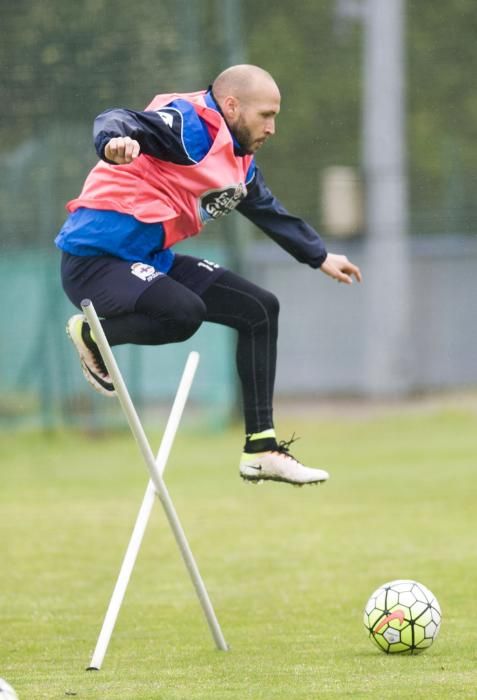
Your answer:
<point x="279" y="465"/>
<point x="92" y="363"/>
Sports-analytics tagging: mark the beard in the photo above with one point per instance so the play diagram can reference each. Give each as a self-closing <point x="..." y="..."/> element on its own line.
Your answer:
<point x="244" y="136"/>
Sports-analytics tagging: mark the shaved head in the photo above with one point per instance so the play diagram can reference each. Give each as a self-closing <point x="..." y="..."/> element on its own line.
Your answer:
<point x="250" y="100"/>
<point x="243" y="82"/>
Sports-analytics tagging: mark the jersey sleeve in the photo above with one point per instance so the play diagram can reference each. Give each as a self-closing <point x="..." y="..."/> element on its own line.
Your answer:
<point x="292" y="233"/>
<point x="174" y="133"/>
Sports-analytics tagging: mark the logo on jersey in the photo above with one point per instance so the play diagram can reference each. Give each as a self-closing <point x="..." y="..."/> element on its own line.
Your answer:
<point x="167" y="118"/>
<point x="147" y="273"/>
<point x="216" y="203"/>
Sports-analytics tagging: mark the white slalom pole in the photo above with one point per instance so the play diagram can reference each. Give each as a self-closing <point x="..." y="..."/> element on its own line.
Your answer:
<point x="123" y="579"/>
<point x="144" y="514"/>
<point x="154" y="472"/>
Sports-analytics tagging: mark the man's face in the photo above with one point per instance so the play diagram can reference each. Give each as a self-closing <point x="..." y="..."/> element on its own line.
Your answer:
<point x="254" y="121"/>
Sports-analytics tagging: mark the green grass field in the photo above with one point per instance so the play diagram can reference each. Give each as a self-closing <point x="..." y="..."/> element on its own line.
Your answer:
<point x="288" y="570"/>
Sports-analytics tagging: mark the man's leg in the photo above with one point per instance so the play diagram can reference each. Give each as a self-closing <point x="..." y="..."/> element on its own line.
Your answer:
<point x="235" y="302"/>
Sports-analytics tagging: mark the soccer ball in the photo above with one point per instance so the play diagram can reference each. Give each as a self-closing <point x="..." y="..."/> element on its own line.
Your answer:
<point x="6" y="691"/>
<point x="402" y="617"/>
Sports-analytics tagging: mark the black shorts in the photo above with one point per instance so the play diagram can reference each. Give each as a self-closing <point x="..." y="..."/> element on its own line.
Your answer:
<point x="115" y="285"/>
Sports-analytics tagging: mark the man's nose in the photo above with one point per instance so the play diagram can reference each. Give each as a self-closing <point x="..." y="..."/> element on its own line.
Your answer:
<point x="270" y="127"/>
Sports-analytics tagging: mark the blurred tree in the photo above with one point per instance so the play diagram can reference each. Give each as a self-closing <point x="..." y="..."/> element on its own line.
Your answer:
<point x="442" y="61"/>
<point x="67" y="61"/>
<point x="320" y="77"/>
<point x="320" y="81"/>
<point x="63" y="63"/>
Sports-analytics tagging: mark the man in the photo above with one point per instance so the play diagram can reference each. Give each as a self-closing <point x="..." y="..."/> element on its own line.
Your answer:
<point x="164" y="173"/>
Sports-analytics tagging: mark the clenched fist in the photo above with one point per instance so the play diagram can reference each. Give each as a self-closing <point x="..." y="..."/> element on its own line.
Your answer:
<point x="121" y="150"/>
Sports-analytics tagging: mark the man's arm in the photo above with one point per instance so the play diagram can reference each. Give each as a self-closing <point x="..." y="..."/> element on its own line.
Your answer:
<point x="292" y="233"/>
<point x="289" y="231"/>
<point x="121" y="134"/>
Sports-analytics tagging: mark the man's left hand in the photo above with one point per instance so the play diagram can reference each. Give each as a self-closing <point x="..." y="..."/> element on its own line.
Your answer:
<point x="340" y="268"/>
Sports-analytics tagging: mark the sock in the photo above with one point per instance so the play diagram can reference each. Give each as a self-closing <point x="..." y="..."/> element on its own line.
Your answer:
<point x="260" y="442"/>
<point x="87" y="334"/>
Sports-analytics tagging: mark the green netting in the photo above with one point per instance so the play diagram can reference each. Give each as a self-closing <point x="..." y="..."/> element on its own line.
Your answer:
<point x="41" y="381"/>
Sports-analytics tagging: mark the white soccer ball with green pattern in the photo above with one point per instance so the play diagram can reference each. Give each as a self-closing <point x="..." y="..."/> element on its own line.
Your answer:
<point x="402" y="617"/>
<point x="6" y="691"/>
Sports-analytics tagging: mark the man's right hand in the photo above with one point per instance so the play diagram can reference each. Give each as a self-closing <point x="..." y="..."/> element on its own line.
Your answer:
<point x="121" y="150"/>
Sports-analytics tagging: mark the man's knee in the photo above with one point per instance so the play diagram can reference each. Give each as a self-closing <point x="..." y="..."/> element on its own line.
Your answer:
<point x="271" y="304"/>
<point x="180" y="324"/>
<point x="267" y="307"/>
<point x="189" y="317"/>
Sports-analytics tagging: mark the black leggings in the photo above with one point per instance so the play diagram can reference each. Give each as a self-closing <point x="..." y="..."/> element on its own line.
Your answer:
<point x="169" y="312"/>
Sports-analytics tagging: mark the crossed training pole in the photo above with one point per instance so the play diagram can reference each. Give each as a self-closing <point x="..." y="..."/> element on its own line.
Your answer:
<point x="155" y="487"/>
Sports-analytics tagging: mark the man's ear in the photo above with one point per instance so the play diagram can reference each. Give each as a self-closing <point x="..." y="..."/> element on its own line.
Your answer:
<point x="230" y="107"/>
